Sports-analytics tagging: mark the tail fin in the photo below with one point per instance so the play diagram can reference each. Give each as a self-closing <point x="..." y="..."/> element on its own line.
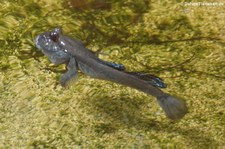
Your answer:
<point x="173" y="107"/>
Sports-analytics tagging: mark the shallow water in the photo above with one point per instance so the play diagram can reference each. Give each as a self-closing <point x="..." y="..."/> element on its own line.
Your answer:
<point x="184" y="45"/>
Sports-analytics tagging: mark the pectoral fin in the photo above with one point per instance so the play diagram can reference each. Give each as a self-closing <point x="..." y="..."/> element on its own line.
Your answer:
<point x="71" y="74"/>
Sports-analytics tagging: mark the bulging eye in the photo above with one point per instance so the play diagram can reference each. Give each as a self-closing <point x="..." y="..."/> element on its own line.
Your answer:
<point x="54" y="36"/>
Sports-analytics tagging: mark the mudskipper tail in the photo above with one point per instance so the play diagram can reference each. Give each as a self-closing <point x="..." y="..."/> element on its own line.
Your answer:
<point x="172" y="106"/>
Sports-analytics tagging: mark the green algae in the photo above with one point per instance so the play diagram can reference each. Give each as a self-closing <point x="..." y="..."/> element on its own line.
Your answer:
<point x="182" y="44"/>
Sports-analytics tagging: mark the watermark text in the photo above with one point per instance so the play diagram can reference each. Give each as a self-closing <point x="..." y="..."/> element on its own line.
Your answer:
<point x="203" y="4"/>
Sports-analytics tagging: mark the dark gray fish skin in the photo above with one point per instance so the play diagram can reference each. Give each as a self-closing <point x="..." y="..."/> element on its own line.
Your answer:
<point x="63" y="49"/>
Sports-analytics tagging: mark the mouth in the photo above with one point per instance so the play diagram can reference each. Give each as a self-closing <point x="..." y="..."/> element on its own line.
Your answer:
<point x="37" y="42"/>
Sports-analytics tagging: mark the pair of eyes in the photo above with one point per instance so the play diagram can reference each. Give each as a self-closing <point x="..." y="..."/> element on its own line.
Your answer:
<point x="54" y="36"/>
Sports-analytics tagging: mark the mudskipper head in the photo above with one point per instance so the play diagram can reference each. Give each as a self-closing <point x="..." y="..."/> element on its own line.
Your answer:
<point x="49" y="44"/>
<point x="49" y="41"/>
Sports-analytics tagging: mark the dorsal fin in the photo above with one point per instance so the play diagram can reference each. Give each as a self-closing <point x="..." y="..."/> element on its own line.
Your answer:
<point x="151" y="79"/>
<point x="116" y="66"/>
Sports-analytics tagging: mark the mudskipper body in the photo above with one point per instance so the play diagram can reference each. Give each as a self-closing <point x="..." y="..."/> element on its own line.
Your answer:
<point x="61" y="49"/>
